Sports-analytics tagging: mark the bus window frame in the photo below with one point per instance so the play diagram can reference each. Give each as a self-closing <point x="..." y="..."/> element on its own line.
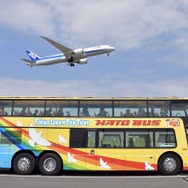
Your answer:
<point x="3" y="107"/>
<point x="97" y="107"/>
<point x="110" y="130"/>
<point x="136" y="107"/>
<point x="35" y="100"/>
<point x="165" y="129"/>
<point x="178" y="102"/>
<point x="63" y="101"/>
<point x="111" y="107"/>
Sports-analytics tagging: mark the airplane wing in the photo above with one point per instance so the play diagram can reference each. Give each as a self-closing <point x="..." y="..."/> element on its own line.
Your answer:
<point x="66" y="51"/>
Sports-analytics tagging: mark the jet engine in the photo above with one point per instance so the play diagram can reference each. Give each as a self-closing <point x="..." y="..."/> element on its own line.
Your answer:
<point x="82" y="61"/>
<point x="78" y="51"/>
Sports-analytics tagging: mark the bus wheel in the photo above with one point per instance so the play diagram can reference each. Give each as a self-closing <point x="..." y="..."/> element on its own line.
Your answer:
<point x="169" y="164"/>
<point x="50" y="164"/>
<point x="24" y="164"/>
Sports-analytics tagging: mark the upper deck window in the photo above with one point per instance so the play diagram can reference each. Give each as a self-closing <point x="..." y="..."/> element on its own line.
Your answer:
<point x="61" y="108"/>
<point x="158" y="108"/>
<point x="28" y="108"/>
<point x="179" y="108"/>
<point x="130" y="108"/>
<point x="96" y="108"/>
<point x="5" y="107"/>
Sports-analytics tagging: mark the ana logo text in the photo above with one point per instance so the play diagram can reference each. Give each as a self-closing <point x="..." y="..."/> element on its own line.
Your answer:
<point x="32" y="55"/>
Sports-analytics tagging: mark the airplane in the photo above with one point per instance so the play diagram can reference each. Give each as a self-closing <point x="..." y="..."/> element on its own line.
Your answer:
<point x="68" y="55"/>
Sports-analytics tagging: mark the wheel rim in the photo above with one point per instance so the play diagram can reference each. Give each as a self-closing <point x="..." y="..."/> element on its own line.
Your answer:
<point x="169" y="164"/>
<point x="49" y="164"/>
<point x="24" y="164"/>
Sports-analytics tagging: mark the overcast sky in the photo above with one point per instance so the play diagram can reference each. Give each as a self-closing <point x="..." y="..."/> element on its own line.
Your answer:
<point x="150" y="39"/>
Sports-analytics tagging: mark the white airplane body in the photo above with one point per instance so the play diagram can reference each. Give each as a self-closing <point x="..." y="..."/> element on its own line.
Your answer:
<point x="68" y="55"/>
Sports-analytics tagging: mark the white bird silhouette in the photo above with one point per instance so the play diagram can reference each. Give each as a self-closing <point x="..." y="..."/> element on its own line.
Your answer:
<point x="71" y="158"/>
<point x="103" y="165"/>
<point x="36" y="138"/>
<point x="148" y="166"/>
<point x="19" y="124"/>
<point x="61" y="139"/>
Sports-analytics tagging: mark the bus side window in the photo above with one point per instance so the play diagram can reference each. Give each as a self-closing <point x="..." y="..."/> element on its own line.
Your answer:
<point x="77" y="138"/>
<point x="139" y="139"/>
<point x="111" y="139"/>
<point x="165" y="139"/>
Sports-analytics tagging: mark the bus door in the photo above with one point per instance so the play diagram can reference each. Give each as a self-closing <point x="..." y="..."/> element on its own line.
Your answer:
<point x="91" y="151"/>
<point x="78" y="155"/>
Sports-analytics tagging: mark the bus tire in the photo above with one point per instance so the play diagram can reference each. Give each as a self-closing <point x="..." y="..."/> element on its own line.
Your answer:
<point x="169" y="164"/>
<point x="50" y="164"/>
<point x="24" y="164"/>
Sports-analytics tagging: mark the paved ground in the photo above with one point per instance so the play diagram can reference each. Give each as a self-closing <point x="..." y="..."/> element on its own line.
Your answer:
<point x="9" y="180"/>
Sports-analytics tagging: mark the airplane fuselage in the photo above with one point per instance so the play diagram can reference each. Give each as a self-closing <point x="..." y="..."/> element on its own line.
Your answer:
<point x="86" y="52"/>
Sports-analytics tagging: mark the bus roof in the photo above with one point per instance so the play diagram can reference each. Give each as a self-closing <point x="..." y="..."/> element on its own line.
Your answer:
<point x="90" y="98"/>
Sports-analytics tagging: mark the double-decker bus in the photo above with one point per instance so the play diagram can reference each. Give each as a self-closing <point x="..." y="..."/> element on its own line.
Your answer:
<point x="53" y="134"/>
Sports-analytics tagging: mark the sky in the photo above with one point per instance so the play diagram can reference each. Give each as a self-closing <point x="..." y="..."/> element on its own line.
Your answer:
<point x="150" y="39"/>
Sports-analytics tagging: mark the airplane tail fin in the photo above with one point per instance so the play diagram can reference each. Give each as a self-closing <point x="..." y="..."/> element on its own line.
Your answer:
<point x="34" y="57"/>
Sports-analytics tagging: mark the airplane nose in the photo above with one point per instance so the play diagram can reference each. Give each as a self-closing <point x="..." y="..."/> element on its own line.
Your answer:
<point x="112" y="48"/>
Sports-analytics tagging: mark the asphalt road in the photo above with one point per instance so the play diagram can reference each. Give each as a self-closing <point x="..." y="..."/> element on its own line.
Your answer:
<point x="9" y="180"/>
